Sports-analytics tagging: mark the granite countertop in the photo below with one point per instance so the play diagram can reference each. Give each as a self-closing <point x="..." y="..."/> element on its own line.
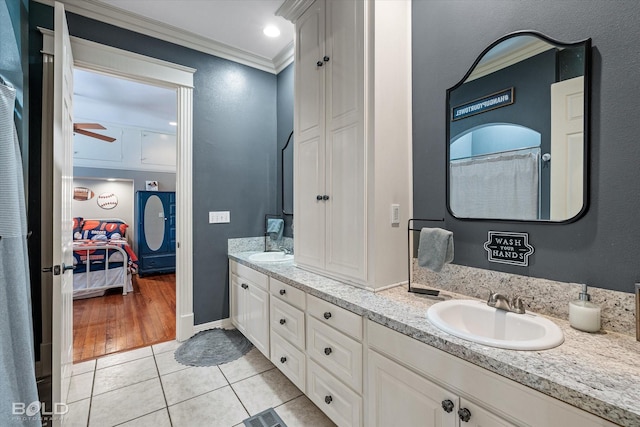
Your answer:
<point x="598" y="373"/>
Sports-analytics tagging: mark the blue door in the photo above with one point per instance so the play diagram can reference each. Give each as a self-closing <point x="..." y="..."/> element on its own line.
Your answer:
<point x="156" y="214"/>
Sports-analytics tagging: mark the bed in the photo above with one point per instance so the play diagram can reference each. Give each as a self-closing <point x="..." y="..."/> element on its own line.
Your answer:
<point x="102" y="257"/>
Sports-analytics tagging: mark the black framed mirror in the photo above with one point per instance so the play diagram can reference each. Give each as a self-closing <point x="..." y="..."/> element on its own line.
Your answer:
<point x="286" y="161"/>
<point x="518" y="131"/>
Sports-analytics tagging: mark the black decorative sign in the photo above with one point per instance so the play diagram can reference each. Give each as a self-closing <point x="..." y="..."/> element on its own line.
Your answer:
<point x="486" y="103"/>
<point x="508" y="247"/>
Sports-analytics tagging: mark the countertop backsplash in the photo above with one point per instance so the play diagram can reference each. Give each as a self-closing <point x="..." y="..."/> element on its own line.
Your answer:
<point x="542" y="296"/>
<point x="247" y="244"/>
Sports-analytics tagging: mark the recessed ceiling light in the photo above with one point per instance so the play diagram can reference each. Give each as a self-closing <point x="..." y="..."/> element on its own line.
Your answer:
<point x="173" y="124"/>
<point x="271" y="31"/>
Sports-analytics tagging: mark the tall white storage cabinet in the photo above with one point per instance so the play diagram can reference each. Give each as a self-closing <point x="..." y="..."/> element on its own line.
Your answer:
<point x="352" y="137"/>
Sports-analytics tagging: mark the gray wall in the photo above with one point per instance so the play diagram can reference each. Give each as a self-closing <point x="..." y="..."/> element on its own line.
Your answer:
<point x="234" y="146"/>
<point x="601" y="248"/>
<point x="285" y="127"/>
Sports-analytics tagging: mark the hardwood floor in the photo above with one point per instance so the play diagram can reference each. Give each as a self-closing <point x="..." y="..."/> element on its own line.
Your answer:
<point x="116" y="322"/>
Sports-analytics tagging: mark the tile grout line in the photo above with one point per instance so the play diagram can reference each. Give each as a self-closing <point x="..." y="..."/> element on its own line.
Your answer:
<point x="234" y="392"/>
<point x="164" y="395"/>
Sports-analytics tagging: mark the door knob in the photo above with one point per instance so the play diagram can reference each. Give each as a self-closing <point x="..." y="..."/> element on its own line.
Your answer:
<point x="325" y="59"/>
<point x="283" y="291"/>
<point x="319" y="63"/>
<point x="327" y="351"/>
<point x="283" y="359"/>
<point x="327" y="315"/>
<point x="448" y="406"/>
<point x="325" y="197"/>
<point x="464" y="414"/>
<point x="283" y="321"/>
<point x="318" y="197"/>
<point x="328" y="400"/>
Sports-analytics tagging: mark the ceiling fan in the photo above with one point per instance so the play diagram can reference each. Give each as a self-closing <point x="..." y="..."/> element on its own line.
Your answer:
<point x="81" y="128"/>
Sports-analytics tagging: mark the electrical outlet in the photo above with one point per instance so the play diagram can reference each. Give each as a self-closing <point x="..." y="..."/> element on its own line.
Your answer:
<point x="219" y="217"/>
<point x="395" y="214"/>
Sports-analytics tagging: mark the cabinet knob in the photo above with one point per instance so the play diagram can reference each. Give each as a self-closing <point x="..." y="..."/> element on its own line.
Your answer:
<point x="325" y="59"/>
<point x="327" y="315"/>
<point x="448" y="406"/>
<point x="464" y="414"/>
<point x="283" y="321"/>
<point x="283" y="291"/>
<point x="328" y="400"/>
<point x="244" y="286"/>
<point x="327" y="350"/>
<point x="283" y="359"/>
<point x="319" y="197"/>
<point x="325" y="197"/>
<point x="319" y="63"/>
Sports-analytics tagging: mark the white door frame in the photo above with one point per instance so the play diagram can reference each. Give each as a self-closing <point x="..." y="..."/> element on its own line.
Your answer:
<point x="108" y="60"/>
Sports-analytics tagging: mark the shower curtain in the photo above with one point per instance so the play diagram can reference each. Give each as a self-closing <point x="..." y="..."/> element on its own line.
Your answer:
<point x="18" y="392"/>
<point x="504" y="185"/>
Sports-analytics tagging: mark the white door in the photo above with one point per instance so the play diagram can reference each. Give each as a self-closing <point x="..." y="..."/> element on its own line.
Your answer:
<point x="309" y="163"/>
<point x="258" y="318"/>
<point x="567" y="148"/>
<point x="399" y="397"/>
<point x="62" y="328"/>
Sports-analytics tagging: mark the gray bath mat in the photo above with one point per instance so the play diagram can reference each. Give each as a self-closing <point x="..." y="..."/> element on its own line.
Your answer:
<point x="268" y="418"/>
<point x="213" y="347"/>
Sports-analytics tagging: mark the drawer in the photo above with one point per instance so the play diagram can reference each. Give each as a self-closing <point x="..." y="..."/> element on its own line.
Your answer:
<point x="337" y="401"/>
<point x="341" y="319"/>
<point x="335" y="352"/>
<point x="158" y="261"/>
<point x="287" y="293"/>
<point x="244" y="272"/>
<point x="289" y="360"/>
<point x="288" y="321"/>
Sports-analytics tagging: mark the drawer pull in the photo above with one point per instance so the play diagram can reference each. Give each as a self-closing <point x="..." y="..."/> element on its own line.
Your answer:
<point x="283" y="291"/>
<point x="448" y="406"/>
<point x="328" y="400"/>
<point x="244" y="286"/>
<point x="283" y="321"/>
<point x="283" y="359"/>
<point x="464" y="414"/>
<point x="327" y="315"/>
<point x="327" y="350"/>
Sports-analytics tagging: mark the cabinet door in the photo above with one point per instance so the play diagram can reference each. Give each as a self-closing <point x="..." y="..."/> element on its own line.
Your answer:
<point x="309" y="163"/>
<point x="257" y="317"/>
<point x="399" y="397"/>
<point x="345" y="145"/>
<point x="480" y="417"/>
<point x="237" y="303"/>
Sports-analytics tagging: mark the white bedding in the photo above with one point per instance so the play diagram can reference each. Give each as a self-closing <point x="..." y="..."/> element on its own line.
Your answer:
<point x="99" y="281"/>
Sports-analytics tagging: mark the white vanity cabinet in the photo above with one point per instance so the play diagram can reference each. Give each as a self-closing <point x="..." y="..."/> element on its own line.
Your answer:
<point x="249" y="303"/>
<point x="287" y="305"/>
<point x="353" y="137"/>
<point x="411" y="383"/>
<point x="334" y="361"/>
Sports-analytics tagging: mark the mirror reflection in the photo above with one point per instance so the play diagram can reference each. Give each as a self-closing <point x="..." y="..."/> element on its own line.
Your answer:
<point x="516" y="132"/>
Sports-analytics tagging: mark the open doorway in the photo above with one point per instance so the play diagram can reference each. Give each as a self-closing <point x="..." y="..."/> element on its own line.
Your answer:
<point x="124" y="151"/>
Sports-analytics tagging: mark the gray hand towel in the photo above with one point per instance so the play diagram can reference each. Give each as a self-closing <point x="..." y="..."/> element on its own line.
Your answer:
<point x="435" y="248"/>
<point x="275" y="228"/>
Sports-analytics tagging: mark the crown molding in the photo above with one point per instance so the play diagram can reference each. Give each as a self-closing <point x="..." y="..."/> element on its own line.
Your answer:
<point x="284" y="58"/>
<point x="293" y="9"/>
<point x="110" y="15"/>
<point x="510" y="58"/>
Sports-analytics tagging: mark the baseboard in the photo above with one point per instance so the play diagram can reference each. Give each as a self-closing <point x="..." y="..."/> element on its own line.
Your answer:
<point x="222" y="323"/>
<point x="185" y="328"/>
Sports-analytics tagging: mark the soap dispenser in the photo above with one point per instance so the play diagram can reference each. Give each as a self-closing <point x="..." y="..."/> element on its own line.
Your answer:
<point x="583" y="314"/>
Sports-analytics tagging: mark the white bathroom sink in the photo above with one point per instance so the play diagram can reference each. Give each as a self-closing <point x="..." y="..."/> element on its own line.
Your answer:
<point x="271" y="257"/>
<point x="476" y="321"/>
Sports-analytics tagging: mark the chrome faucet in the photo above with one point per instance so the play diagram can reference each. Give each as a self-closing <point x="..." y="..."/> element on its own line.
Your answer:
<point x="287" y="251"/>
<point x="502" y="302"/>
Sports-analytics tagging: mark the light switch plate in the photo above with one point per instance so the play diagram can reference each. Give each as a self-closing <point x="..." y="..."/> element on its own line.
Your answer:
<point x="219" y="217"/>
<point x="395" y="214"/>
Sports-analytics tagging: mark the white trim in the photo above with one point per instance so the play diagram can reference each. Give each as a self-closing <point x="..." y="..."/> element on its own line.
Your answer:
<point x="111" y="15"/>
<point x="284" y="58"/>
<point x="222" y="323"/>
<point x="293" y="9"/>
<point x="97" y="57"/>
<point x="529" y="50"/>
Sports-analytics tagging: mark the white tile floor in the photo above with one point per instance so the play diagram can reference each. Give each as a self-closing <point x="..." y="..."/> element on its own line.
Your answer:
<point x="148" y="387"/>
